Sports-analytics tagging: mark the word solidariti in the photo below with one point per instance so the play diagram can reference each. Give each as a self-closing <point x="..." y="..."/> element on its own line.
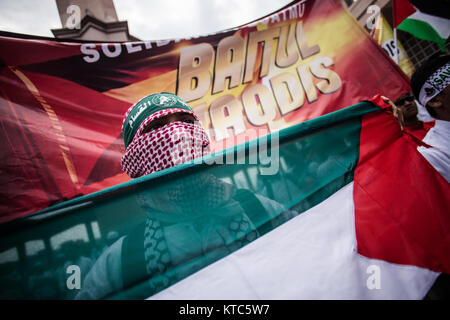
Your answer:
<point x="92" y="52"/>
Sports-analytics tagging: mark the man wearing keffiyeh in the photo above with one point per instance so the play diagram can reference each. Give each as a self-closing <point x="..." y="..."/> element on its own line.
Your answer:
<point x="431" y="86"/>
<point x="161" y="131"/>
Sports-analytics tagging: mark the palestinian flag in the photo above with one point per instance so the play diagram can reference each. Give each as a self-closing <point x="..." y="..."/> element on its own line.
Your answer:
<point x="338" y="207"/>
<point x="423" y="20"/>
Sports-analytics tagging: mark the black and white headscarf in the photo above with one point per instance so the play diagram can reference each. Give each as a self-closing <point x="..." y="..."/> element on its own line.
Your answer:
<point x="435" y="84"/>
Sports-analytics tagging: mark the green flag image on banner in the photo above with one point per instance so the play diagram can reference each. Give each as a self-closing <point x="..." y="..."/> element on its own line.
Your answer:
<point x="338" y="217"/>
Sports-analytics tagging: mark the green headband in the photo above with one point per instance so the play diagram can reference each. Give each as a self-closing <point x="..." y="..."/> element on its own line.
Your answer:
<point x="145" y="108"/>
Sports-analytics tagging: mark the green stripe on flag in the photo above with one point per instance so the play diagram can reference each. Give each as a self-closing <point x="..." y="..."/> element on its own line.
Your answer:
<point x="422" y="30"/>
<point x="177" y="222"/>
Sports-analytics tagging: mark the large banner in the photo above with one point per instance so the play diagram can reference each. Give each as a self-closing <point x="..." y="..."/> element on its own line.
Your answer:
<point x="62" y="103"/>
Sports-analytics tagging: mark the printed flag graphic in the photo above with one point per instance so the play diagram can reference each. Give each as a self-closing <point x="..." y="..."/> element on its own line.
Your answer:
<point x="61" y="103"/>
<point x="352" y="211"/>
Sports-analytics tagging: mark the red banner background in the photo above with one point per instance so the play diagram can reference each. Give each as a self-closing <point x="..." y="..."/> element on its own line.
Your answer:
<point x="61" y="103"/>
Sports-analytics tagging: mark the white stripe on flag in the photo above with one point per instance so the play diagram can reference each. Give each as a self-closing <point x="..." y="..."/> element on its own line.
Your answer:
<point x="441" y="25"/>
<point x="312" y="256"/>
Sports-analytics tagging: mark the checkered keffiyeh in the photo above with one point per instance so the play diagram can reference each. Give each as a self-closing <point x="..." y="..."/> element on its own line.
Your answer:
<point x="165" y="147"/>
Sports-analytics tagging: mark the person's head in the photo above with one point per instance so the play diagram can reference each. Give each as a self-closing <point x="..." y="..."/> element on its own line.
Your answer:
<point x="407" y="109"/>
<point x="159" y="132"/>
<point x="431" y="86"/>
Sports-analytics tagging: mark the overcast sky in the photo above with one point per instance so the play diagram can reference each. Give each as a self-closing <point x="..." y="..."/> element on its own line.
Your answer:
<point x="147" y="19"/>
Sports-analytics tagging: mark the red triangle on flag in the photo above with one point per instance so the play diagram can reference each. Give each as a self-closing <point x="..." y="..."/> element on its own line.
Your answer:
<point x="401" y="9"/>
